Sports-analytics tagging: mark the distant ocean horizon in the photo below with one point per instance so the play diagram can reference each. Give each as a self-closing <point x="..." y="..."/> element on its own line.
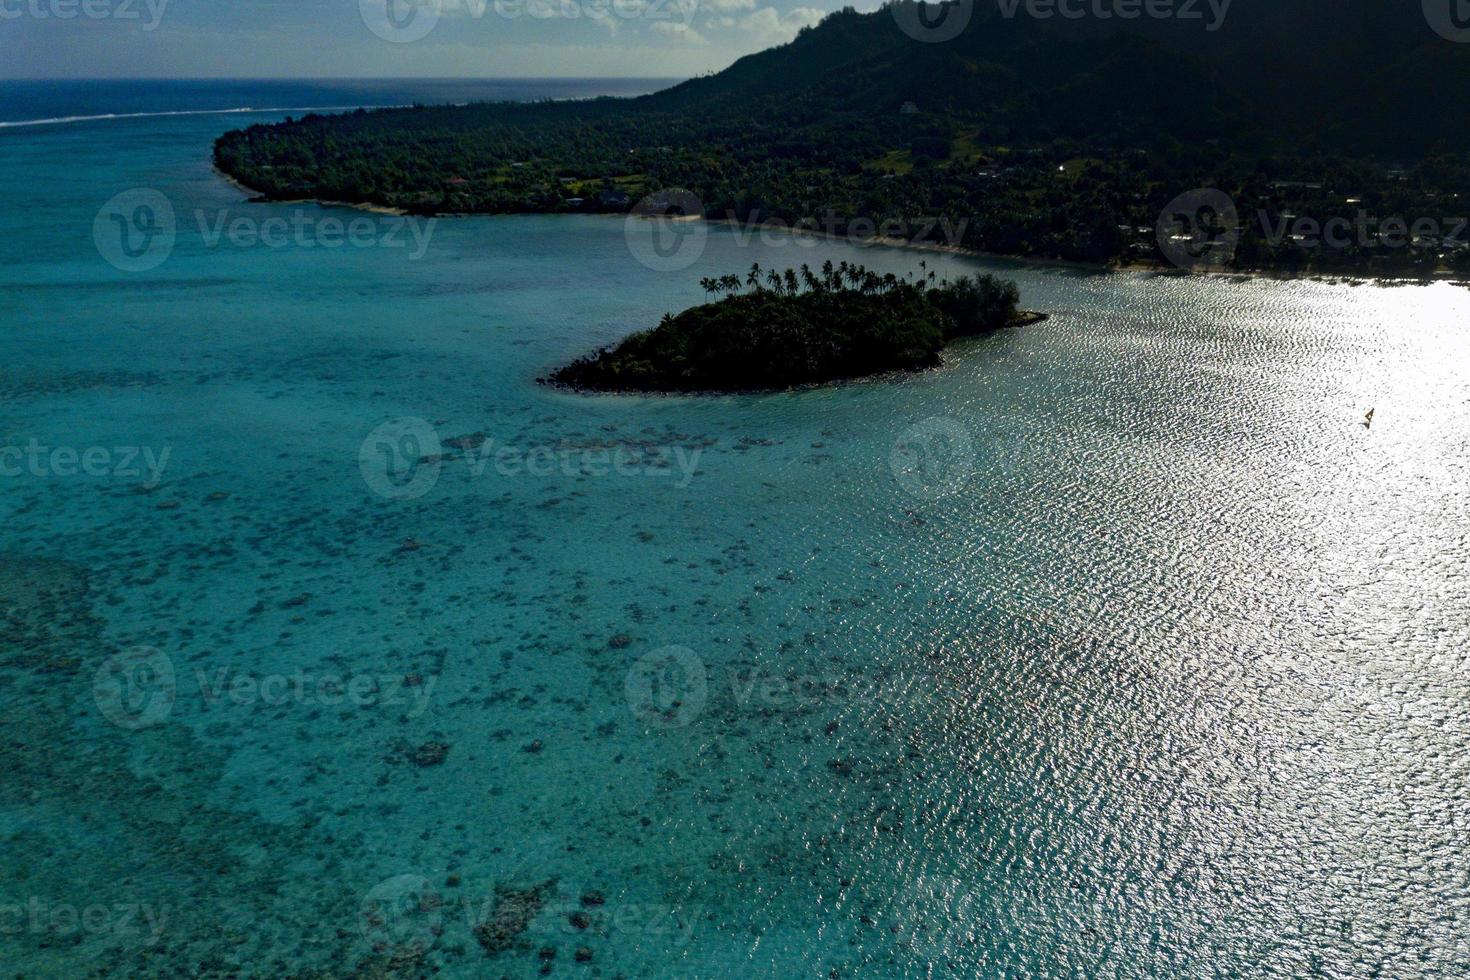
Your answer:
<point x="34" y="102"/>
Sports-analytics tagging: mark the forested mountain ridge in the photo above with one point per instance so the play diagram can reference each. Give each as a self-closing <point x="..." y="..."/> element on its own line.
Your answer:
<point x="1058" y="137"/>
<point x="1360" y="75"/>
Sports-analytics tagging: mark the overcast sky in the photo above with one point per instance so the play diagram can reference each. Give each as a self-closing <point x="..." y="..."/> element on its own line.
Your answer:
<point x="388" y="38"/>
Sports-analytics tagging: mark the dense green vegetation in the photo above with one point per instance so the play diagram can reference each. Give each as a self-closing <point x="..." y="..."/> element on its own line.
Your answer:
<point x="1062" y="139"/>
<point x="778" y="330"/>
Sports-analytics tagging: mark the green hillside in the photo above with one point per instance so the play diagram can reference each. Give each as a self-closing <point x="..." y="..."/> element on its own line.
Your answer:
<point x="1051" y="138"/>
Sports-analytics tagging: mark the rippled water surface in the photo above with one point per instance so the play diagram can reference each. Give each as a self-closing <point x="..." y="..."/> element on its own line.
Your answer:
<point x="1119" y="646"/>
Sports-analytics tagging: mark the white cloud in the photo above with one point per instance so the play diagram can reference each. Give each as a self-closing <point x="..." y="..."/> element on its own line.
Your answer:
<point x="767" y="26"/>
<point x="681" y="32"/>
<point x="805" y="16"/>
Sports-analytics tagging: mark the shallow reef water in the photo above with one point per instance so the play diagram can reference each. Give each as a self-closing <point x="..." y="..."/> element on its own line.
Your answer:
<point x="1118" y="646"/>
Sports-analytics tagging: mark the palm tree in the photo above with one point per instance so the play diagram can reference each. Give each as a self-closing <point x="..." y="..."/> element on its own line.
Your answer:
<point x="753" y="278"/>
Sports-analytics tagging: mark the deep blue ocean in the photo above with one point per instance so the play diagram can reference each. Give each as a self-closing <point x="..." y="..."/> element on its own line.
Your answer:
<point x="51" y="102"/>
<point x="332" y="644"/>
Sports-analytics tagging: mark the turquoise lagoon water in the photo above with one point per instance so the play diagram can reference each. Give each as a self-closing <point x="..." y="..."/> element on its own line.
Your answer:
<point x="1117" y="647"/>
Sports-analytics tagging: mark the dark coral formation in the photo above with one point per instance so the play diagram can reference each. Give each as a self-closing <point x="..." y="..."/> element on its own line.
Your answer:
<point x="515" y="909"/>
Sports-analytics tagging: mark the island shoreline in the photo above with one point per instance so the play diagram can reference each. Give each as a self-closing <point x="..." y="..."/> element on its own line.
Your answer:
<point x="257" y="197"/>
<point x="878" y="241"/>
<point x="1024" y="318"/>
